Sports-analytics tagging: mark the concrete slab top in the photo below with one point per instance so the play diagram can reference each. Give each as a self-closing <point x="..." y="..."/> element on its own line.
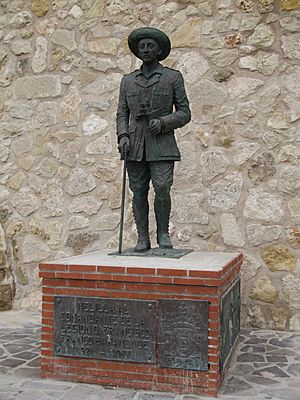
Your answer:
<point x="204" y="261"/>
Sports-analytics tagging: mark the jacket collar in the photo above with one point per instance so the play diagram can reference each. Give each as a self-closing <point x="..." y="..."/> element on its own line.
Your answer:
<point x="141" y="80"/>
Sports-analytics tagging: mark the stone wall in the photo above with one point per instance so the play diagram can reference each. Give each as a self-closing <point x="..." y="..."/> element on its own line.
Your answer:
<point x="237" y="186"/>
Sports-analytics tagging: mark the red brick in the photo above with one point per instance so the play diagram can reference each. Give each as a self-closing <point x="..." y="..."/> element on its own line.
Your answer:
<point x="83" y="283"/>
<point x="111" y="269"/>
<point x="47" y="274"/>
<point x="202" y="289"/>
<point x="47" y="314"/>
<point x="52" y="267"/>
<point x="171" y="272"/>
<point x="47" y="337"/>
<point x="55" y="282"/>
<point x="127" y="278"/>
<point x="47" y="299"/>
<point x="70" y="275"/>
<point x="98" y="277"/>
<point x="196" y="281"/>
<point x="48" y="306"/>
<point x="205" y="274"/>
<point x="156" y="279"/>
<point x="47" y="321"/>
<point x="111" y="285"/>
<point x="47" y="290"/>
<point x="47" y="329"/>
<point x="82" y="268"/>
<point x="46" y="352"/>
<point x="141" y="271"/>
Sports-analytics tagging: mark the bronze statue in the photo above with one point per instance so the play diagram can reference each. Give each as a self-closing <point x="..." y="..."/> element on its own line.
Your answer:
<point x="152" y="103"/>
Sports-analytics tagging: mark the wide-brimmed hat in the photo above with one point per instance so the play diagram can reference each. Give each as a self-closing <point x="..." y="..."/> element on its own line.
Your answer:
<point x="153" y="33"/>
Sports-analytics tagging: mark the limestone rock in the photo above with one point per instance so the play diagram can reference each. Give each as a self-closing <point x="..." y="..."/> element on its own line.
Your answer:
<point x="192" y="66"/>
<point x="70" y="153"/>
<point x="37" y="87"/>
<point x="290" y="46"/>
<point x="86" y="204"/>
<point x="102" y="64"/>
<point x="294" y="106"/>
<point x="244" y="151"/>
<point x="295" y="323"/>
<point x="97" y="9"/>
<point x="260" y="234"/>
<point x="289" y="181"/>
<point x="271" y="139"/>
<point x="225" y="193"/>
<point x="293" y="237"/>
<point x="81" y="240"/>
<point x="19" y="47"/>
<point x="223" y="75"/>
<point x="115" y="7"/>
<point x="108" y="169"/>
<point x="20" y="20"/>
<point x="54" y="231"/>
<point x="65" y="38"/>
<point x="102" y="145"/>
<point x="250" y="21"/>
<point x="103" y="85"/>
<point x="80" y="182"/>
<point x="104" y="45"/>
<point x="4" y="150"/>
<point x="289" y="153"/>
<point x="263" y="290"/>
<point x="22" y="145"/>
<point x="255" y="317"/>
<point x="213" y="163"/>
<point x="278" y="120"/>
<point x="279" y="258"/>
<point x="65" y="135"/>
<point x="189" y="209"/>
<point x="94" y="125"/>
<point x="39" y="7"/>
<point x="290" y="23"/>
<point x="231" y="232"/>
<point x="223" y="57"/>
<point x="245" y="111"/>
<point x="47" y="167"/>
<point x="47" y="113"/>
<point x="290" y="80"/>
<point x="25" y="202"/>
<point x="70" y="107"/>
<point x="263" y="206"/>
<point x="241" y="87"/>
<point x="291" y="289"/>
<point x="188" y="34"/>
<point x="223" y="134"/>
<point x="108" y="221"/>
<point x="263" y="36"/>
<point x="144" y="12"/>
<point x="52" y="201"/>
<point x="78" y="222"/>
<point x="20" y="111"/>
<point x="184" y="235"/>
<point x="166" y="11"/>
<point x="34" y="250"/>
<point x="294" y="207"/>
<point x="206" y="7"/>
<point x="7" y="72"/>
<point x="288" y="5"/>
<point x="262" y="168"/>
<point x="263" y="62"/>
<point x="208" y="93"/>
<point x="40" y="57"/>
<point x="76" y="12"/>
<point x="17" y="180"/>
<point x="265" y="6"/>
<point x="250" y="268"/>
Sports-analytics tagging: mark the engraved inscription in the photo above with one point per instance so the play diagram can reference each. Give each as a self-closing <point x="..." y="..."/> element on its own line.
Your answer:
<point x="183" y="334"/>
<point x="105" y="329"/>
<point x="230" y="320"/>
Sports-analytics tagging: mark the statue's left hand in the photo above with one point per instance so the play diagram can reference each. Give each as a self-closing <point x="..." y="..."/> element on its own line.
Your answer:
<point x="155" y="126"/>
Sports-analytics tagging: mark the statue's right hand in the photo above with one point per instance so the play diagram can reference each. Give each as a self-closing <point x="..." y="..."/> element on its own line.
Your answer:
<point x="124" y="145"/>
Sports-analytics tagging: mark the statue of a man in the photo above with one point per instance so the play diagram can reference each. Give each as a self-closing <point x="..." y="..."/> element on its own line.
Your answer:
<point x="152" y="103"/>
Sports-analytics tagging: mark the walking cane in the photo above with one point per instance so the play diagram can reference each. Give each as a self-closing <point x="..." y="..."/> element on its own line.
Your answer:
<point x="123" y="200"/>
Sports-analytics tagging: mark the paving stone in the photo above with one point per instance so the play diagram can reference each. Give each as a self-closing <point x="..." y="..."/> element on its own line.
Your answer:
<point x="283" y="394"/>
<point x="236" y="385"/>
<point x="17" y="348"/>
<point x="156" y="396"/>
<point x="260" y="380"/>
<point x="34" y="363"/>
<point x="250" y="357"/>
<point x="271" y="372"/>
<point x="289" y="342"/>
<point x="12" y="362"/>
<point x="294" y="369"/>
<point x="27" y="372"/>
<point x="276" y="359"/>
<point x="256" y="341"/>
<point x="26" y="355"/>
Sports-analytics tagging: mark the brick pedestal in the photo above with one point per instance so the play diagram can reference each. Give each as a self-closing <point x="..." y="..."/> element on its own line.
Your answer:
<point x="206" y="277"/>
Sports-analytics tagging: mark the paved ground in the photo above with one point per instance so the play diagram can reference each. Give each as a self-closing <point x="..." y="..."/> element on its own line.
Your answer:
<point x="267" y="366"/>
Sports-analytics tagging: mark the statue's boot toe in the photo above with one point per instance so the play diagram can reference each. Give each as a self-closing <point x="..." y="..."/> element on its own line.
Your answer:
<point x="142" y="245"/>
<point x="164" y="241"/>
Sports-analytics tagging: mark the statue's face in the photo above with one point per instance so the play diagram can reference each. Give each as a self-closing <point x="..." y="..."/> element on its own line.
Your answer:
<point x="148" y="50"/>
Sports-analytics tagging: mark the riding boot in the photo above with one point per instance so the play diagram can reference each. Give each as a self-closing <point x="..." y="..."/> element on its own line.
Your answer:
<point x="140" y="209"/>
<point x="162" y="208"/>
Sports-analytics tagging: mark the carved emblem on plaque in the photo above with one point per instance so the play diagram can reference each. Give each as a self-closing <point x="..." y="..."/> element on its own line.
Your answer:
<point x="183" y="334"/>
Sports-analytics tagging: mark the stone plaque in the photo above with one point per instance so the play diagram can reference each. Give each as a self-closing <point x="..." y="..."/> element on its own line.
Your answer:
<point x="230" y="320"/>
<point x="108" y="329"/>
<point x="183" y="334"/>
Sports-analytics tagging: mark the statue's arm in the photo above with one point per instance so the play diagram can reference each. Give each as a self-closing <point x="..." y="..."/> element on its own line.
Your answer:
<point x="182" y="114"/>
<point x="122" y="113"/>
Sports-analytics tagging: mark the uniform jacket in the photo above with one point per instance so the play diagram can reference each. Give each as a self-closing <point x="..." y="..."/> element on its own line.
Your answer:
<point x="163" y="97"/>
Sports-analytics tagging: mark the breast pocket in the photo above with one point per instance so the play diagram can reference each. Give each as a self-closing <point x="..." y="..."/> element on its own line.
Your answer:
<point x="133" y="99"/>
<point x="163" y="98"/>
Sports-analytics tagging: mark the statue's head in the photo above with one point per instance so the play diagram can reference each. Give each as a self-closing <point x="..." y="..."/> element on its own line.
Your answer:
<point x="148" y="40"/>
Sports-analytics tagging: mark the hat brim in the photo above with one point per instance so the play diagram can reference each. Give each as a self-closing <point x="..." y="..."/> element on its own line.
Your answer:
<point x="153" y="33"/>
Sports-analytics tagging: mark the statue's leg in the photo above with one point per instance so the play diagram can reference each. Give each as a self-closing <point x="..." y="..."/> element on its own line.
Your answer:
<point x="162" y="179"/>
<point x="139" y="178"/>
